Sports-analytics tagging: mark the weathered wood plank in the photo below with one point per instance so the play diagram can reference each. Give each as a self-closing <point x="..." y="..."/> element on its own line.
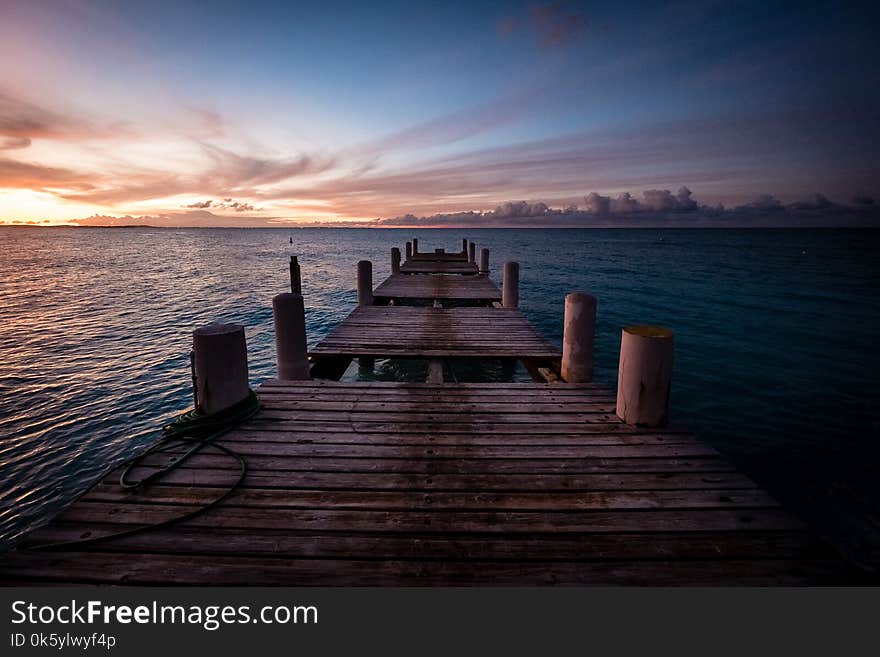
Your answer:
<point x="440" y="501"/>
<point x="438" y="267"/>
<point x="447" y="521"/>
<point x="438" y="286"/>
<point x="102" y="567"/>
<point x="421" y="547"/>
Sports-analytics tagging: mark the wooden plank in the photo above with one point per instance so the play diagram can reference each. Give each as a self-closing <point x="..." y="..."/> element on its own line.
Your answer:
<point x="436" y="333"/>
<point x="439" y="501"/>
<point x="438" y="286"/>
<point x="481" y="482"/>
<point x="441" y="257"/>
<point x="448" y="521"/>
<point x="574" y="547"/>
<point x="103" y="567"/>
<point x="438" y="267"/>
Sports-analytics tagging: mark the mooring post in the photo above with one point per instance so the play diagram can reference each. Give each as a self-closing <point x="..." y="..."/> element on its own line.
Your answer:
<point x="395" y="260"/>
<point x="472" y="252"/>
<point x="295" y="276"/>
<point x="464" y="245"/>
<point x="578" y="336"/>
<point x="221" y="366"/>
<point x="510" y="285"/>
<point x="484" y="261"/>
<point x="415" y="245"/>
<point x="291" y="353"/>
<point x="645" y="375"/>
<point x="408" y="250"/>
<point x="365" y="283"/>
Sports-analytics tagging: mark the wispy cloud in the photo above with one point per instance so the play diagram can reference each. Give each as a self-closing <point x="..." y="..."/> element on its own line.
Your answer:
<point x="549" y="25"/>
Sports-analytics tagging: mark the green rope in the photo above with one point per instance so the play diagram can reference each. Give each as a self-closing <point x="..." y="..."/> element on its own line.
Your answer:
<point x="193" y="428"/>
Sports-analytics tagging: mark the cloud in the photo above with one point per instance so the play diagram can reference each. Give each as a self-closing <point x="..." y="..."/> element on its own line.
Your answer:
<point x="24" y="175"/>
<point x="659" y="208"/>
<point x="556" y="24"/>
<point x="226" y="203"/>
<point x="550" y="25"/>
<point x="21" y="122"/>
<point x="189" y="219"/>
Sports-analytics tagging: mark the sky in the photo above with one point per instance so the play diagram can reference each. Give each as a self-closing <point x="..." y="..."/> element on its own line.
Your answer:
<point x="454" y="113"/>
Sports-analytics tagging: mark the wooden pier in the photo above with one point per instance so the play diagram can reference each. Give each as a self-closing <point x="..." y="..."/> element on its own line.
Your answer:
<point x="387" y="483"/>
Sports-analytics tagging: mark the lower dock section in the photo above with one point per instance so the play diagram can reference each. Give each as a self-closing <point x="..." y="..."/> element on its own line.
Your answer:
<point x="435" y="484"/>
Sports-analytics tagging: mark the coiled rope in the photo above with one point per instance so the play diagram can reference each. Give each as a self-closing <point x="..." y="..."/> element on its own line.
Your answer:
<point x="193" y="428"/>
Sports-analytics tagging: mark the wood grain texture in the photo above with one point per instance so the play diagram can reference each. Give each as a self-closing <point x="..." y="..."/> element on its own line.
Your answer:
<point x="436" y="484"/>
<point x="389" y="331"/>
<point x="438" y="286"/>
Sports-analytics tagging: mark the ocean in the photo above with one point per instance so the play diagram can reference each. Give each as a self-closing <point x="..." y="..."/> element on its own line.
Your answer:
<point x="777" y="356"/>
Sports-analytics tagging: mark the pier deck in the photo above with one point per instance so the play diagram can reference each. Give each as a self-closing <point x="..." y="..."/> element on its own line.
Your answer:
<point x="382" y="483"/>
<point x="403" y="331"/>
<point x="438" y="267"/>
<point x="416" y="484"/>
<point x="438" y="286"/>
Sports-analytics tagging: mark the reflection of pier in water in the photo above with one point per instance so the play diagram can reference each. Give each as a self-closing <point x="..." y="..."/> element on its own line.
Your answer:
<point x="374" y="483"/>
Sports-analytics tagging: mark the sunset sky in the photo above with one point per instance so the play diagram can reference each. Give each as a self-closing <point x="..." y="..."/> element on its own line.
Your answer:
<point x="215" y="113"/>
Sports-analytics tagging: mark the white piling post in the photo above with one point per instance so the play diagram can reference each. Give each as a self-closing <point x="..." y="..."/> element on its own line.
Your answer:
<point x="221" y="366"/>
<point x="395" y="260"/>
<point x="484" y="261"/>
<point x="291" y="353"/>
<point x="365" y="283"/>
<point x="510" y="285"/>
<point x="415" y="245"/>
<point x="645" y="375"/>
<point x="578" y="337"/>
<point x="408" y="250"/>
<point x="472" y="252"/>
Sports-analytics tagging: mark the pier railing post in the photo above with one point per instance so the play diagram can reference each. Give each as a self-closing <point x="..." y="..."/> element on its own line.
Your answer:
<point x="464" y="245"/>
<point x="295" y="276"/>
<point x="221" y="366"/>
<point x="645" y="375"/>
<point x="510" y="285"/>
<point x="415" y="244"/>
<point x="395" y="260"/>
<point x="365" y="283"/>
<point x="408" y="250"/>
<point x="472" y="252"/>
<point x="578" y="337"/>
<point x="484" y="261"/>
<point x="291" y="353"/>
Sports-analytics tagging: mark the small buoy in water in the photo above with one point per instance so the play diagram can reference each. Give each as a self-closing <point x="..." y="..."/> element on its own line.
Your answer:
<point x="291" y="240"/>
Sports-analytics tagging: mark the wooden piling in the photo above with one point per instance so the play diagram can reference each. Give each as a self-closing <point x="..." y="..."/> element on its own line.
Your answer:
<point x="221" y="366"/>
<point x="295" y="276"/>
<point x="472" y="252"/>
<point x="415" y="244"/>
<point x="484" y="261"/>
<point x="579" y="331"/>
<point x="291" y="353"/>
<point x="408" y="250"/>
<point x="464" y="244"/>
<point x="645" y="375"/>
<point x="510" y="285"/>
<point x="395" y="260"/>
<point x="365" y="283"/>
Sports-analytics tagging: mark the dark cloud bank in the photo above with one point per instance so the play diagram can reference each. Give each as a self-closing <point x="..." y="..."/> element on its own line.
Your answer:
<point x="656" y="209"/>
